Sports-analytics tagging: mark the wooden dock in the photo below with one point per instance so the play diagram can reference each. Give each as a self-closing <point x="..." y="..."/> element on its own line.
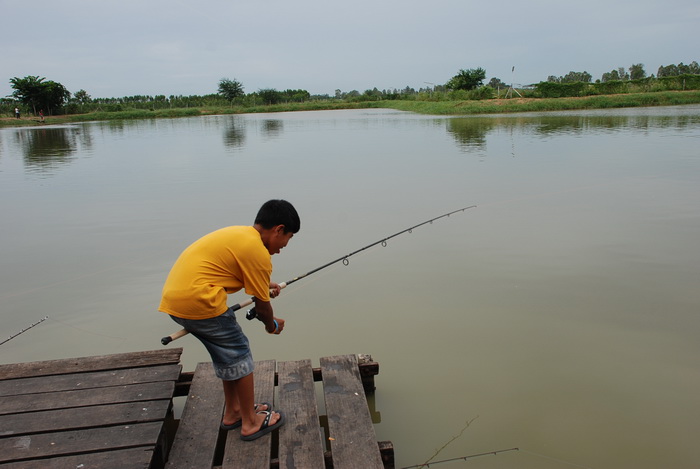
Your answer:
<point x="115" y="411"/>
<point x="96" y="412"/>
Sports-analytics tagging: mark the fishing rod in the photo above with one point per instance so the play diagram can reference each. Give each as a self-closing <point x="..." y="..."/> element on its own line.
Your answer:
<point x="344" y="259"/>
<point x="24" y="330"/>
<point x="461" y="458"/>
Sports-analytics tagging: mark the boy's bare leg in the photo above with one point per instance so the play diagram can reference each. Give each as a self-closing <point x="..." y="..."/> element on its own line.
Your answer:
<point x="240" y="399"/>
<point x="232" y="411"/>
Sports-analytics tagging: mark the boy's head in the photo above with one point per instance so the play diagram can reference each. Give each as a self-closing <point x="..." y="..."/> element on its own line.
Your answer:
<point x="277" y="221"/>
<point x="278" y="212"/>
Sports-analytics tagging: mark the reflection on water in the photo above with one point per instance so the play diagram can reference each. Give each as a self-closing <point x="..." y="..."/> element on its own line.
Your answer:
<point x="234" y="134"/>
<point x="47" y="148"/>
<point x="272" y="128"/>
<point x="237" y="127"/>
<point x="470" y="133"/>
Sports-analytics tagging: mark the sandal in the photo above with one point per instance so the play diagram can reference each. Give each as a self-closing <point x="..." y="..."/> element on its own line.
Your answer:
<point x="265" y="428"/>
<point x="238" y="423"/>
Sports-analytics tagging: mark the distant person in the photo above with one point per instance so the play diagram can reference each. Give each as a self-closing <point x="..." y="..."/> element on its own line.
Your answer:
<point x="17" y="112"/>
<point x="41" y="115"/>
<point x="195" y="296"/>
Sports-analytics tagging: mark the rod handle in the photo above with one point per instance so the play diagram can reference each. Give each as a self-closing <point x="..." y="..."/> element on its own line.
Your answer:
<point x="174" y="336"/>
<point x="182" y="332"/>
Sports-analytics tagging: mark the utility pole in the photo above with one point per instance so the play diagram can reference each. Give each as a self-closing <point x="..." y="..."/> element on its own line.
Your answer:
<point x="509" y="93"/>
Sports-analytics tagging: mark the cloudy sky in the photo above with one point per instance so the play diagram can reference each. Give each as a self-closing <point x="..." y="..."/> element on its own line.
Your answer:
<point x="115" y="48"/>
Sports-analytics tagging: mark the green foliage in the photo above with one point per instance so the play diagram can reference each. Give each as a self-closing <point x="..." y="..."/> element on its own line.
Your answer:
<point x="34" y="93"/>
<point x="618" y="74"/>
<point x="230" y="89"/>
<point x="560" y="90"/>
<point x="637" y="72"/>
<point x="680" y="82"/>
<point x="483" y="92"/>
<point x="680" y="69"/>
<point x="573" y="77"/>
<point x="270" y="96"/>
<point x="82" y="97"/>
<point x="38" y="94"/>
<point x="467" y="79"/>
<point x="295" y="96"/>
<point x="611" y="87"/>
<point x="496" y="83"/>
<point x="439" y="105"/>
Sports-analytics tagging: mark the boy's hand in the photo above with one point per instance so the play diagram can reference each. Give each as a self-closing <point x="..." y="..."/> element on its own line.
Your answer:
<point x="275" y="289"/>
<point x="279" y="325"/>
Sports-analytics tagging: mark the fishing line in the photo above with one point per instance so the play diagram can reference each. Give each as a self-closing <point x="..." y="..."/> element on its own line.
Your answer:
<point x="555" y="459"/>
<point x="560" y="192"/>
<point x="87" y="331"/>
<point x="68" y="280"/>
<point x="343" y="259"/>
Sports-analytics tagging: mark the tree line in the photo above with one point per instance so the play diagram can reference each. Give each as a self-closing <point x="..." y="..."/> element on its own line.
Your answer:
<point x="634" y="72"/>
<point x="37" y="94"/>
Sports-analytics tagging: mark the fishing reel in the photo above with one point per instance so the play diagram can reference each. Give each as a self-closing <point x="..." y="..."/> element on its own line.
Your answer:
<point x="251" y="314"/>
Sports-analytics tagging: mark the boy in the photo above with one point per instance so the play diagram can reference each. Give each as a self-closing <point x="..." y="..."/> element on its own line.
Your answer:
<point x="195" y="296"/>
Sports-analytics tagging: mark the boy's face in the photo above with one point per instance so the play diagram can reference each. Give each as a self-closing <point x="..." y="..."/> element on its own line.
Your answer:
<point x="278" y="239"/>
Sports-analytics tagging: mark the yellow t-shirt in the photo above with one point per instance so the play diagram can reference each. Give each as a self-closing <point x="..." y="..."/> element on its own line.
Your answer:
<point x="222" y="262"/>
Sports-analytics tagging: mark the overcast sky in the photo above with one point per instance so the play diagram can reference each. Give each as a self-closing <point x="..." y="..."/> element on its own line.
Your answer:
<point x="115" y="48"/>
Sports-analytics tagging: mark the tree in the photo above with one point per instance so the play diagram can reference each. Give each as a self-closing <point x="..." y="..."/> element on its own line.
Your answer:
<point x="618" y="74"/>
<point x="637" y="72"/>
<point x="611" y="76"/>
<point x="38" y="94"/>
<point x="82" y="97"/>
<point x="270" y="95"/>
<point x="467" y="79"/>
<point x="230" y="89"/>
<point x="571" y="77"/>
<point x="574" y="77"/>
<point x="295" y="96"/>
<point x="680" y="69"/>
<point x="496" y="83"/>
<point x="623" y="73"/>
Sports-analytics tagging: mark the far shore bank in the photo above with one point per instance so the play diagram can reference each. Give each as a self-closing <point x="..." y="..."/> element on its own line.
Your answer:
<point x="443" y="108"/>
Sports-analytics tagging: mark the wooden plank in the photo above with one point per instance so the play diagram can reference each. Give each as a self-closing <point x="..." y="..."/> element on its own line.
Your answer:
<point x="83" y="417"/>
<point x="98" y="379"/>
<point x="368" y="370"/>
<point x="84" y="364"/>
<point x="136" y="458"/>
<point x="72" y="442"/>
<point x="86" y="397"/>
<point x="301" y="441"/>
<point x="253" y="454"/>
<point x="196" y="438"/>
<point x="352" y="437"/>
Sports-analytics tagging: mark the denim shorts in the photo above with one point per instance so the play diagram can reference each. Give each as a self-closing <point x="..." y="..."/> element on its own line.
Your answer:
<point x="226" y="343"/>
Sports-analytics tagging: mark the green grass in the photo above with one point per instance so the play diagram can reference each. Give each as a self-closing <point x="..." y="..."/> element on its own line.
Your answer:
<point x="455" y="108"/>
<point x="498" y="106"/>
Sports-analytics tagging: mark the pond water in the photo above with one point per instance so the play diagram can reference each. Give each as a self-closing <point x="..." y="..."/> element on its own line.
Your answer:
<point x="560" y="316"/>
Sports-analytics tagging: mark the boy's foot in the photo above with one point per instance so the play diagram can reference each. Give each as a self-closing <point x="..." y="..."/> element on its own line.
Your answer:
<point x="268" y="424"/>
<point x="263" y="406"/>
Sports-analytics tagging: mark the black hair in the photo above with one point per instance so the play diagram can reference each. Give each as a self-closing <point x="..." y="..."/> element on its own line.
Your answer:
<point x="278" y="212"/>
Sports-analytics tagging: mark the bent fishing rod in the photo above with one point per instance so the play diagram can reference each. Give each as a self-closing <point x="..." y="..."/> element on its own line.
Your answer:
<point x="344" y="259"/>
<point x="24" y="330"/>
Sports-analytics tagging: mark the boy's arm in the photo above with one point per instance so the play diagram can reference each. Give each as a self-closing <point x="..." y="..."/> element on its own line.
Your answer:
<point x="265" y="314"/>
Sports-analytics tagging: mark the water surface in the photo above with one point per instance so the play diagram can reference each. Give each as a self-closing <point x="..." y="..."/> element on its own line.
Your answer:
<point x="560" y="316"/>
